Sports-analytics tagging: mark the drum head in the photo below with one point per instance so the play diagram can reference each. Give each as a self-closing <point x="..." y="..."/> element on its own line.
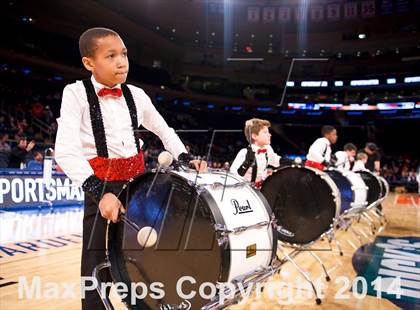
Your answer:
<point x="344" y="186"/>
<point x="302" y="202"/>
<point x="186" y="243"/>
<point x="374" y="186"/>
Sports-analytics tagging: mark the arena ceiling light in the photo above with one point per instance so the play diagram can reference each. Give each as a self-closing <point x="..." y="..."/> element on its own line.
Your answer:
<point x="290" y="84"/>
<point x="362" y="36"/>
<point x="364" y="82"/>
<point x="338" y="83"/>
<point x="412" y="79"/>
<point x="244" y="59"/>
<point x="314" y="84"/>
<point x="391" y="81"/>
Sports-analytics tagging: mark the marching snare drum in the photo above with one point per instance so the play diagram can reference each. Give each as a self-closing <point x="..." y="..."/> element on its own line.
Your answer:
<point x="305" y="202"/>
<point x="212" y="227"/>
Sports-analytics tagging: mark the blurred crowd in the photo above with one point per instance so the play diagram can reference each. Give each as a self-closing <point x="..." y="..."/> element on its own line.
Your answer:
<point x="28" y="127"/>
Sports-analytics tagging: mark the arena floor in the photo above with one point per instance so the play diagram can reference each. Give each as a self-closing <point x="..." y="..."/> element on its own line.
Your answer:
<point x="56" y="258"/>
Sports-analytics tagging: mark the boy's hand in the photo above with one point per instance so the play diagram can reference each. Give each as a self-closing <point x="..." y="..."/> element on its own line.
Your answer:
<point x="199" y="165"/>
<point x="109" y="206"/>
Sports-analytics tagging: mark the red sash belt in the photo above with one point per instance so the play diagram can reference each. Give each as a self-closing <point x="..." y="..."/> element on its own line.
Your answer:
<point x="314" y="164"/>
<point x="117" y="169"/>
<point x="258" y="184"/>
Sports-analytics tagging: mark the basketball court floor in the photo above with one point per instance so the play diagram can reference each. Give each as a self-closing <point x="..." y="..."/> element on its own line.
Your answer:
<point x="45" y="249"/>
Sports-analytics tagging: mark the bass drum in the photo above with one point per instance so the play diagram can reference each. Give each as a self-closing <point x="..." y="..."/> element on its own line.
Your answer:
<point x="352" y="189"/>
<point x="193" y="217"/>
<point x="374" y="186"/>
<point x="385" y="187"/>
<point x="305" y="202"/>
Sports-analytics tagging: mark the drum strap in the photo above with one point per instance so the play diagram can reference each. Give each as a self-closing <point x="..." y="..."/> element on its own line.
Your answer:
<point x="255" y="168"/>
<point x="254" y="172"/>
<point x="325" y="151"/>
<point x="97" y="120"/>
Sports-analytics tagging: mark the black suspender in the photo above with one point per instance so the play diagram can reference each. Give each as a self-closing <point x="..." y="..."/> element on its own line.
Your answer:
<point x="133" y="112"/>
<point x="96" y="119"/>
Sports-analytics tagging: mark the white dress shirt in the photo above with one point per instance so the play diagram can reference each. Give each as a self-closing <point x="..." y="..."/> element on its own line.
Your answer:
<point x="319" y="151"/>
<point x="359" y="166"/>
<point x="343" y="160"/>
<point x="261" y="159"/>
<point x="75" y="143"/>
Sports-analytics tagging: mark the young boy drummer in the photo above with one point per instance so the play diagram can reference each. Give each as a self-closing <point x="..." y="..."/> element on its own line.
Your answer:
<point x="319" y="154"/>
<point x="345" y="158"/>
<point x="96" y="144"/>
<point x="252" y="162"/>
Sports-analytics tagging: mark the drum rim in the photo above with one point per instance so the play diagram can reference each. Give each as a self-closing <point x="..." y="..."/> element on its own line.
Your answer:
<point x="379" y="198"/>
<point x="386" y="184"/>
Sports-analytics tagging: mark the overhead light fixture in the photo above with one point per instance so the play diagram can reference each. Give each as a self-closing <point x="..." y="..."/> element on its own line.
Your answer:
<point x="362" y="36"/>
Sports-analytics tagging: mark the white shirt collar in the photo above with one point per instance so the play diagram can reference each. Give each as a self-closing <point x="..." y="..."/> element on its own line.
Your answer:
<point x="99" y="86"/>
<point x="255" y="147"/>
<point x="326" y="140"/>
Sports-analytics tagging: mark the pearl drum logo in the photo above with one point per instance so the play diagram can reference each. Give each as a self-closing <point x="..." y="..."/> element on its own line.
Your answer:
<point x="241" y="209"/>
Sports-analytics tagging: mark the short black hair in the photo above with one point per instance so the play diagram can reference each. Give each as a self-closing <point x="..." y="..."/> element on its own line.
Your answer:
<point x="372" y="146"/>
<point x="327" y="129"/>
<point x="87" y="41"/>
<point x="350" y="147"/>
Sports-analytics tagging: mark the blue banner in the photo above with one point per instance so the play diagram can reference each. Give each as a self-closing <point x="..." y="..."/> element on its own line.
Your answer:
<point x="20" y="189"/>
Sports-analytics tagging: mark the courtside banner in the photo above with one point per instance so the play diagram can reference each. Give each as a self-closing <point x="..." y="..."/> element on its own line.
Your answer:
<point x="19" y="189"/>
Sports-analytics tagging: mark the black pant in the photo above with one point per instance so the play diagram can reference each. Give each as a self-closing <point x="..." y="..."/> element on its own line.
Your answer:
<point x="93" y="246"/>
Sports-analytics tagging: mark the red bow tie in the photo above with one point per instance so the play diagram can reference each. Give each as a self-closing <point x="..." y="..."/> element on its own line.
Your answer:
<point x="261" y="151"/>
<point x="116" y="92"/>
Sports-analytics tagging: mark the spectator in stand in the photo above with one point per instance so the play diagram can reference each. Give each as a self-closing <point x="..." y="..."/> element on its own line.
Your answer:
<point x="37" y="162"/>
<point x="37" y="110"/>
<point x="48" y="115"/>
<point x="2" y="123"/>
<point x="19" y="153"/>
<point x="5" y="150"/>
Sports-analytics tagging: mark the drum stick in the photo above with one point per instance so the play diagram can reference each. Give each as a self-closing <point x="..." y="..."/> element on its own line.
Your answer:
<point x="129" y="222"/>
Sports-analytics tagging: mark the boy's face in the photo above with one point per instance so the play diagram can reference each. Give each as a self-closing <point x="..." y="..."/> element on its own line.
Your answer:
<point x="332" y="136"/>
<point x="109" y="65"/>
<point x="351" y="153"/>
<point x="263" y="137"/>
